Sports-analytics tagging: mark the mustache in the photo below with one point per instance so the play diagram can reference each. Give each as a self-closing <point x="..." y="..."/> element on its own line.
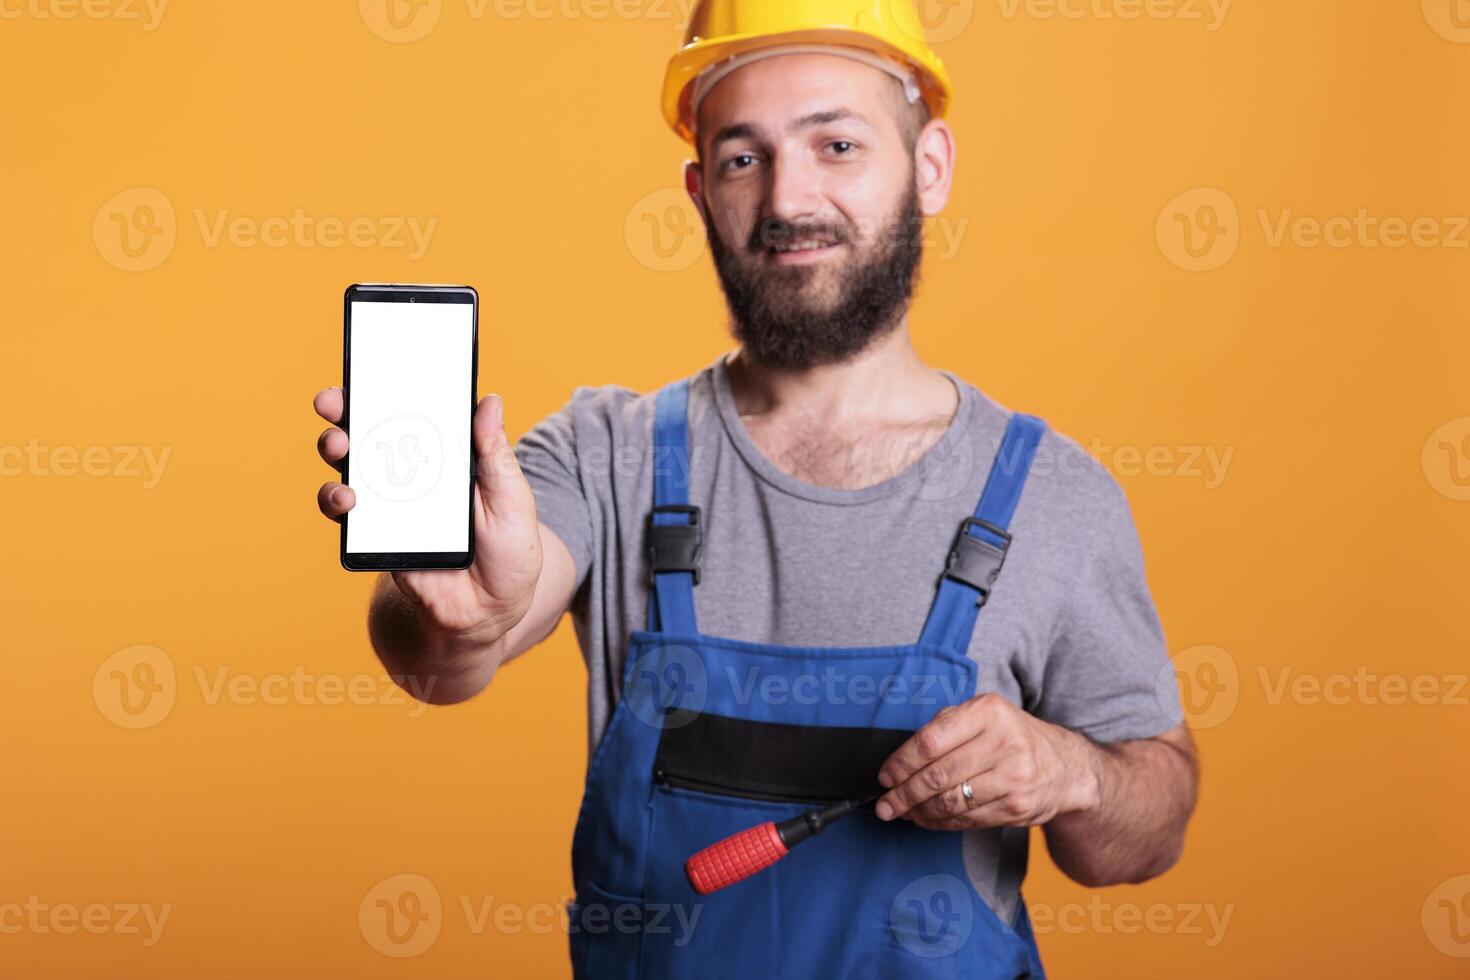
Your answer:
<point x="770" y="232"/>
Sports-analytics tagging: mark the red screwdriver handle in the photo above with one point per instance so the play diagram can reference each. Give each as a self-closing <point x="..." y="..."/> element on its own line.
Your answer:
<point x="735" y="858"/>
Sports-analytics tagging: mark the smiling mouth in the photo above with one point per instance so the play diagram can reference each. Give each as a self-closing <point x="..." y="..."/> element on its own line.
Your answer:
<point x="812" y="245"/>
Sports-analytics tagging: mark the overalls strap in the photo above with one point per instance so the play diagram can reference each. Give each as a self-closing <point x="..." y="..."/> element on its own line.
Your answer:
<point x="982" y="542"/>
<point x="674" y="531"/>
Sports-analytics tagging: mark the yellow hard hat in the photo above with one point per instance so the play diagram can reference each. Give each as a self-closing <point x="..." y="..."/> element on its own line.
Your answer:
<point x="721" y="29"/>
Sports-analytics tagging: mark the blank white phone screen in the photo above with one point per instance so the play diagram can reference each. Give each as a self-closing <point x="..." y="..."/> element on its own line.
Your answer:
<point x="409" y="396"/>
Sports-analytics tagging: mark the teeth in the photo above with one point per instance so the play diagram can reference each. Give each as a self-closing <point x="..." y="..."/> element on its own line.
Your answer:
<point x="803" y="247"/>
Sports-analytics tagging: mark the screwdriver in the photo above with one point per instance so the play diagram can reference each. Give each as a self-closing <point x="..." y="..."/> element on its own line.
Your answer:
<point x="741" y="855"/>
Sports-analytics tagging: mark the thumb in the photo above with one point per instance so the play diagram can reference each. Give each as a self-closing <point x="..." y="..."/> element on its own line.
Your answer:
<point x="503" y="488"/>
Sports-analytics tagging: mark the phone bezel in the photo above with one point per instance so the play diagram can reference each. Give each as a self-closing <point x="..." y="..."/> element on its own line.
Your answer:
<point x="363" y="561"/>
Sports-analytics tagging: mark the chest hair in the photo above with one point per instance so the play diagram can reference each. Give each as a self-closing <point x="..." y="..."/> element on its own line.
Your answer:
<point x="845" y="459"/>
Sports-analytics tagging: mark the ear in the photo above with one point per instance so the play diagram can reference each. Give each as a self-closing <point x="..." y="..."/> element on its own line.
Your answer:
<point x="694" y="185"/>
<point x="934" y="156"/>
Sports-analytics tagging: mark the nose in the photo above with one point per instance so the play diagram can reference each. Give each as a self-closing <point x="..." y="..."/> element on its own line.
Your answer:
<point x="796" y="189"/>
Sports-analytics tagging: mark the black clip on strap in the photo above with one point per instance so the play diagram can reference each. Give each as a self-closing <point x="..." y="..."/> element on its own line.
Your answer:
<point x="975" y="561"/>
<point x="674" y="547"/>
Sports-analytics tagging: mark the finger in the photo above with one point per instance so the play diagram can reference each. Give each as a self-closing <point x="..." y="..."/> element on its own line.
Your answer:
<point x="503" y="488"/>
<point x="997" y="813"/>
<point x="985" y="788"/>
<point x="977" y="760"/>
<point x="967" y="760"/>
<point x="334" y="500"/>
<point x="328" y="404"/>
<point x="951" y="727"/>
<point x="331" y="445"/>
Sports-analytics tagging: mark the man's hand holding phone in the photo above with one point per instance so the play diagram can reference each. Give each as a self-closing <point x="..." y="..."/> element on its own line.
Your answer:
<point x="496" y="589"/>
<point x="452" y="621"/>
<point x="432" y="493"/>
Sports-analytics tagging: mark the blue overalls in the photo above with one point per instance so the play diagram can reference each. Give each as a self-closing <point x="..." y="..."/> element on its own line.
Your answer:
<point x="713" y="735"/>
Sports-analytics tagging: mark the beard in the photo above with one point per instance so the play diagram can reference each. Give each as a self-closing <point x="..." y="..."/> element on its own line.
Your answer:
<point x="776" y="313"/>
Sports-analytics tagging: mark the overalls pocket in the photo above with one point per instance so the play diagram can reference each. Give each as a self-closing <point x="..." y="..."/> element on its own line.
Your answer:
<point x="606" y="931"/>
<point x="939" y="928"/>
<point x="744" y="930"/>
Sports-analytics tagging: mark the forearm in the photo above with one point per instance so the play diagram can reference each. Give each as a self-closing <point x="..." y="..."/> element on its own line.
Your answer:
<point x="1132" y="827"/>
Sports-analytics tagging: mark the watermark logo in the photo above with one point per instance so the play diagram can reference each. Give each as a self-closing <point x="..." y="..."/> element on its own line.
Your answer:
<point x="135" y="230"/>
<point x="401" y="459"/>
<point x="929" y="468"/>
<point x="1206" y="683"/>
<point x="401" y="916"/>
<point x="1199" y="230"/>
<point x="663" y="231"/>
<point x="939" y="20"/>
<point x="1446" y="917"/>
<point x="948" y="466"/>
<point x="1450" y="19"/>
<point x="835" y="687"/>
<point x="400" y="21"/>
<point x="406" y="21"/>
<point x="1207" y="464"/>
<point x="135" y="687"/>
<point x="1446" y="459"/>
<point x="668" y="687"/>
<point x="404" y="915"/>
<point x="933" y="916"/>
<point x="1209" y="687"/>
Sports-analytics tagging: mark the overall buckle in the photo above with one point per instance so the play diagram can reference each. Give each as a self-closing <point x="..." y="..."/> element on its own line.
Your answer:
<point x="975" y="561"/>
<point x="674" y="547"/>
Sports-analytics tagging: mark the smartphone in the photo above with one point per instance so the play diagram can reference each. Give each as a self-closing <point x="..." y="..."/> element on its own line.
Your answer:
<point x="409" y="359"/>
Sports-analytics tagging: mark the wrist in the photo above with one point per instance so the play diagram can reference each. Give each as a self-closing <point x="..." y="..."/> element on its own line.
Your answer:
<point x="1083" y="763"/>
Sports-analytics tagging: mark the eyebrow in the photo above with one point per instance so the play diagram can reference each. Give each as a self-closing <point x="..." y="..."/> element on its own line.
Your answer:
<point x="743" y="130"/>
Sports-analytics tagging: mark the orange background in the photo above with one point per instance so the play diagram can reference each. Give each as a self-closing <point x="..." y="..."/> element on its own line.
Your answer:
<point x="1333" y="834"/>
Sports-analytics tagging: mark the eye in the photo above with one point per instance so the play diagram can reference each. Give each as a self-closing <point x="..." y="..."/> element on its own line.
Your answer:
<point x="849" y="144"/>
<point x="740" y="161"/>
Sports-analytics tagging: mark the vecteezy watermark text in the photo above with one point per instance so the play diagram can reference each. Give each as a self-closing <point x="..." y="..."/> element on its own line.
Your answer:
<point x="136" y="230"/>
<point x="302" y="230"/>
<point x="1201" y="230"/>
<point x="1101" y="917"/>
<point x="137" y="687"/>
<point x="1210" y="13"/>
<point x="147" y="13"/>
<point x="38" y="918"/>
<point x="403" y="915"/>
<point x="117" y="462"/>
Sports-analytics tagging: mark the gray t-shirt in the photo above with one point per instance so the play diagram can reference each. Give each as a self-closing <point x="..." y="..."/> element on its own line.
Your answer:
<point x="1070" y="632"/>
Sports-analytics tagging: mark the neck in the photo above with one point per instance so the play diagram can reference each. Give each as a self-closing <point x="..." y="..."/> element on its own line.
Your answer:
<point x="886" y="382"/>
